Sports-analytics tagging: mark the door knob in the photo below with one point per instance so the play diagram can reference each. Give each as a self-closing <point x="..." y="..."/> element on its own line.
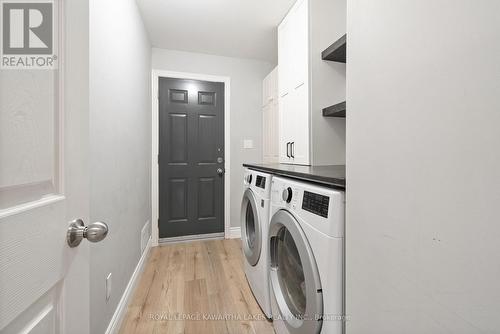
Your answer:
<point x="220" y="171"/>
<point x="77" y="231"/>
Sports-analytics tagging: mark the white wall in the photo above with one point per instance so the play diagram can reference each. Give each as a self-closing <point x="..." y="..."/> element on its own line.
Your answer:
<point x="246" y="100"/>
<point x="423" y="167"/>
<point x="120" y="132"/>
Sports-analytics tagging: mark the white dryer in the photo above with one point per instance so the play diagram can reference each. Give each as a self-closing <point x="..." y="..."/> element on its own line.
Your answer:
<point x="306" y="237"/>
<point x="254" y="230"/>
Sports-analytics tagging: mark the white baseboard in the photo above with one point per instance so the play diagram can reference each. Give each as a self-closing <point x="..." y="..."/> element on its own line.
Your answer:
<point x="121" y="309"/>
<point x="235" y="233"/>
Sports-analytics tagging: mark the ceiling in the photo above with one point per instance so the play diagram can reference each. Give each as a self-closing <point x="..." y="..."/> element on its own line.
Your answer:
<point x="233" y="28"/>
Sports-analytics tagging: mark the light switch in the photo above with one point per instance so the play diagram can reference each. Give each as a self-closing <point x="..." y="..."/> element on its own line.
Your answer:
<point x="247" y="143"/>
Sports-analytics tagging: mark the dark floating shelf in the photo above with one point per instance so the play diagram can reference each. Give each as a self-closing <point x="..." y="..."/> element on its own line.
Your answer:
<point x="337" y="110"/>
<point x="336" y="51"/>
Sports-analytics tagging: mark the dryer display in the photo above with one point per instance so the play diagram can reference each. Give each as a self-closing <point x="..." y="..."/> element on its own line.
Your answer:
<point x="316" y="203"/>
<point x="261" y="182"/>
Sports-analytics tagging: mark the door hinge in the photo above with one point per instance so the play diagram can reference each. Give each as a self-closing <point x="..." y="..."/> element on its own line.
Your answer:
<point x="158" y="159"/>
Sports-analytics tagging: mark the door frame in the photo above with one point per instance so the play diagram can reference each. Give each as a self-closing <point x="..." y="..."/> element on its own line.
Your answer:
<point x="156" y="74"/>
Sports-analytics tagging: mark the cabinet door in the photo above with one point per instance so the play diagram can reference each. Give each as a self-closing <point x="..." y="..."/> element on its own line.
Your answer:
<point x="286" y="126"/>
<point x="270" y="133"/>
<point x="265" y="90"/>
<point x="275" y="151"/>
<point x="266" y="142"/>
<point x="270" y="121"/>
<point x="300" y="126"/>
<point x="274" y="86"/>
<point x="293" y="58"/>
<point x="285" y="52"/>
<point x="300" y="57"/>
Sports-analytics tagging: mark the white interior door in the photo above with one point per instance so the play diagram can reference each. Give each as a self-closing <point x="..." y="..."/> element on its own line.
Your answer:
<point x="44" y="184"/>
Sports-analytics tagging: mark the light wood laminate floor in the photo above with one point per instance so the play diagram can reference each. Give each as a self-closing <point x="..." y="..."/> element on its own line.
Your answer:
<point x="195" y="288"/>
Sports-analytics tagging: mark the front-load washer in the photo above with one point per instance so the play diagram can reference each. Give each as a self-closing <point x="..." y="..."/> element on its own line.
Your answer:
<point x="254" y="230"/>
<point x="306" y="272"/>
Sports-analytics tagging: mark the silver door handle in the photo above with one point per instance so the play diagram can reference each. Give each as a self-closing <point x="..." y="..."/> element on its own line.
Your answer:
<point x="220" y="171"/>
<point x="77" y="231"/>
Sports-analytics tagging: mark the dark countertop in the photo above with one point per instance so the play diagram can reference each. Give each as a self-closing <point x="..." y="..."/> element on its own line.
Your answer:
<point x="331" y="176"/>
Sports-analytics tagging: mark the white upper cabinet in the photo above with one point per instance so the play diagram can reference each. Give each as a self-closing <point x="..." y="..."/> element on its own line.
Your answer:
<point x="293" y="48"/>
<point x="293" y="52"/>
<point x="270" y="88"/>
<point x="307" y="84"/>
<point x="285" y="39"/>
<point x="300" y="45"/>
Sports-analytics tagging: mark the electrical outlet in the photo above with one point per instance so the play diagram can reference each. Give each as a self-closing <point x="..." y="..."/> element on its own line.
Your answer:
<point x="145" y="233"/>
<point x="108" y="286"/>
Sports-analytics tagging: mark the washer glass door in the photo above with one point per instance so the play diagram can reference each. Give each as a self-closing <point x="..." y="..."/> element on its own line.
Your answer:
<point x="294" y="276"/>
<point x="290" y="273"/>
<point x="251" y="229"/>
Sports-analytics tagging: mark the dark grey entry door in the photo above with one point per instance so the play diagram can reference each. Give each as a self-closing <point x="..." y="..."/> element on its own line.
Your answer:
<point x="191" y="157"/>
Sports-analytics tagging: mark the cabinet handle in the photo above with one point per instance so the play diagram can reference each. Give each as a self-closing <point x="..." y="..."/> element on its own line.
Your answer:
<point x="292" y="151"/>
<point x="287" y="149"/>
<point x="299" y="85"/>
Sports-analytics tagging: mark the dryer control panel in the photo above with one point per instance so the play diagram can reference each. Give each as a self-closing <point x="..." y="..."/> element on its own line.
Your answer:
<point x="316" y="203"/>
<point x="320" y="207"/>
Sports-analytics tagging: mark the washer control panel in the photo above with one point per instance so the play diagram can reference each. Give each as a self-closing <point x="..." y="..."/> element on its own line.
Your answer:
<point x="316" y="203"/>
<point x="261" y="181"/>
